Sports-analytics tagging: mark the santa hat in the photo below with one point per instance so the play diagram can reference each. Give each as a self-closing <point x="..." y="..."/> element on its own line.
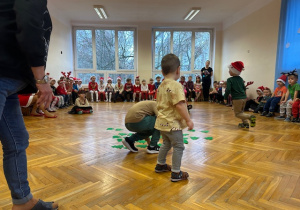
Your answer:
<point x="261" y="88"/>
<point x="282" y="79"/>
<point x="78" y="79"/>
<point x="221" y="82"/>
<point x="137" y="77"/>
<point x="236" y="67"/>
<point x="101" y="78"/>
<point x="109" y="78"/>
<point x="119" y="78"/>
<point x="92" y="77"/>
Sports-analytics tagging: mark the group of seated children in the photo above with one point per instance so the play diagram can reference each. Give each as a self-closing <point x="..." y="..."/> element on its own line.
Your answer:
<point x="128" y="92"/>
<point x="286" y="99"/>
<point x="139" y="91"/>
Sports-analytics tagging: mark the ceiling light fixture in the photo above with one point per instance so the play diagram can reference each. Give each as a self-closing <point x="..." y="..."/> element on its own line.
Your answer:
<point x="192" y="13"/>
<point x="100" y="11"/>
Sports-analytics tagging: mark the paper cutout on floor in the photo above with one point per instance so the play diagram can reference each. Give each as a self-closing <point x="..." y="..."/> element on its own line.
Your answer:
<point x="186" y="134"/>
<point x="192" y="130"/>
<point x="142" y="141"/>
<point x="185" y="141"/>
<point x="119" y="140"/>
<point x="109" y="129"/>
<point x="159" y="144"/>
<point x="119" y="129"/>
<point x="116" y="137"/>
<point x="124" y="147"/>
<point x="117" y="146"/>
<point x="130" y="134"/>
<point x="185" y="138"/>
<point x="205" y="131"/>
<point x="142" y="146"/>
<point x="194" y="137"/>
<point x="123" y="134"/>
<point x="208" y="138"/>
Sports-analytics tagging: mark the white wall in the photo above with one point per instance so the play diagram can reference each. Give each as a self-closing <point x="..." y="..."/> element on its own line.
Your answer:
<point x="60" y="42"/>
<point x="253" y="40"/>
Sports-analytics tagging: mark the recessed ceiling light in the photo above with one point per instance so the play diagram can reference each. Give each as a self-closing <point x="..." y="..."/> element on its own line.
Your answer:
<point x="100" y="11"/>
<point x="194" y="11"/>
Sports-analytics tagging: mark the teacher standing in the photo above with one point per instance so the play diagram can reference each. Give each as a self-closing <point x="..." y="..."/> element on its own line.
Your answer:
<point x="206" y="74"/>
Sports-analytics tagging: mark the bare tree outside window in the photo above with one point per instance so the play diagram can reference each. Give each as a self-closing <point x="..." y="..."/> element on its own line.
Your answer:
<point x="202" y="49"/>
<point x="124" y="77"/>
<point x="126" y="49"/>
<point x="84" y="49"/>
<point x="162" y="46"/>
<point x="183" y="48"/>
<point x="85" y="77"/>
<point x="105" y="49"/>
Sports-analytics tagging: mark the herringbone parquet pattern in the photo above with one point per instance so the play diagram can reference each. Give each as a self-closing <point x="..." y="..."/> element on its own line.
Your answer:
<point x="70" y="160"/>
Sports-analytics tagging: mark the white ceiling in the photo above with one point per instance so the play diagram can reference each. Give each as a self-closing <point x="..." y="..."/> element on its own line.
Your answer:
<point x="154" y="11"/>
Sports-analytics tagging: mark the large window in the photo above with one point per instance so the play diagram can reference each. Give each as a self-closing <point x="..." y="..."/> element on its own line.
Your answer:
<point x="193" y="47"/>
<point x="105" y="52"/>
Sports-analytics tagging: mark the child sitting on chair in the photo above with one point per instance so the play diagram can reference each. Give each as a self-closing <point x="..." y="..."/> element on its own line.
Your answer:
<point x="81" y="105"/>
<point x="144" y="89"/>
<point x="101" y="90"/>
<point x="93" y="88"/>
<point x="151" y="88"/>
<point x="277" y="97"/>
<point x="109" y="90"/>
<point x="292" y="92"/>
<point x="137" y="89"/>
<point x="266" y="96"/>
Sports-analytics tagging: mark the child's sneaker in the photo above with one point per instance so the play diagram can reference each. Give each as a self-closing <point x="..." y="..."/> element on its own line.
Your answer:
<point x="153" y="150"/>
<point x="280" y="117"/>
<point x="162" y="168"/>
<point x="264" y="113"/>
<point x="243" y="125"/>
<point x="175" y="177"/>
<point x="270" y="114"/>
<point x="252" y="121"/>
<point x="129" y="145"/>
<point x="288" y="119"/>
<point x="294" y="120"/>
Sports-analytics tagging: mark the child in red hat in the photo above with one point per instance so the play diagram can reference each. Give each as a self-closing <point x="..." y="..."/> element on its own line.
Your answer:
<point x="237" y="89"/>
<point x="277" y="97"/>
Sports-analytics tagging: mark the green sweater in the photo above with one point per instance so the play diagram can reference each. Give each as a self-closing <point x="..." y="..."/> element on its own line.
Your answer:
<point x="235" y="87"/>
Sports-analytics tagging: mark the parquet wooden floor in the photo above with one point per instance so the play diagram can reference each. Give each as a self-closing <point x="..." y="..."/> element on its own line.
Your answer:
<point x="71" y="160"/>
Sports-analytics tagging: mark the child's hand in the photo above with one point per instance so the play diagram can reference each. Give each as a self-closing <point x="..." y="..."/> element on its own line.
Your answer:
<point x="190" y="125"/>
<point x="282" y="102"/>
<point x="297" y="99"/>
<point x="291" y="102"/>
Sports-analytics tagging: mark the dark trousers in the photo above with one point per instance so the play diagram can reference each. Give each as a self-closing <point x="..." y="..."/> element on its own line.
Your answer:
<point x="74" y="97"/>
<point x="130" y="93"/>
<point x="206" y="87"/>
<point x="251" y="104"/>
<point x="118" y="95"/>
<point x="272" y="104"/>
<point x="190" y="94"/>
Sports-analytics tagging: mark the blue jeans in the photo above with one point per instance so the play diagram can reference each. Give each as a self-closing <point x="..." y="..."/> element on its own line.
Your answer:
<point x="14" y="138"/>
<point x="271" y="104"/>
<point x="144" y="129"/>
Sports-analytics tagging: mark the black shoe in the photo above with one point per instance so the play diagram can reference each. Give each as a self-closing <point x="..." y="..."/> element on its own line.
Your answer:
<point x="294" y="120"/>
<point x="264" y="113"/>
<point x="175" y="177"/>
<point x="129" y="145"/>
<point x="153" y="150"/>
<point x="298" y="120"/>
<point x="270" y="114"/>
<point x="162" y="168"/>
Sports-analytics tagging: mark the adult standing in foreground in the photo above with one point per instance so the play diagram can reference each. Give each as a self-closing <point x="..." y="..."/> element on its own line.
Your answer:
<point x="25" y="28"/>
<point x="206" y="74"/>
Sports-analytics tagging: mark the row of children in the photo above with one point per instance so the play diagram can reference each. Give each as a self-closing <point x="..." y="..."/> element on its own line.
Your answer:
<point x="127" y="92"/>
<point x="286" y="99"/>
<point x="130" y="92"/>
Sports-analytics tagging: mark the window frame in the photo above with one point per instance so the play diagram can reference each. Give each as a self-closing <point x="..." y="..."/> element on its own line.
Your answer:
<point x="193" y="30"/>
<point x="94" y="69"/>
